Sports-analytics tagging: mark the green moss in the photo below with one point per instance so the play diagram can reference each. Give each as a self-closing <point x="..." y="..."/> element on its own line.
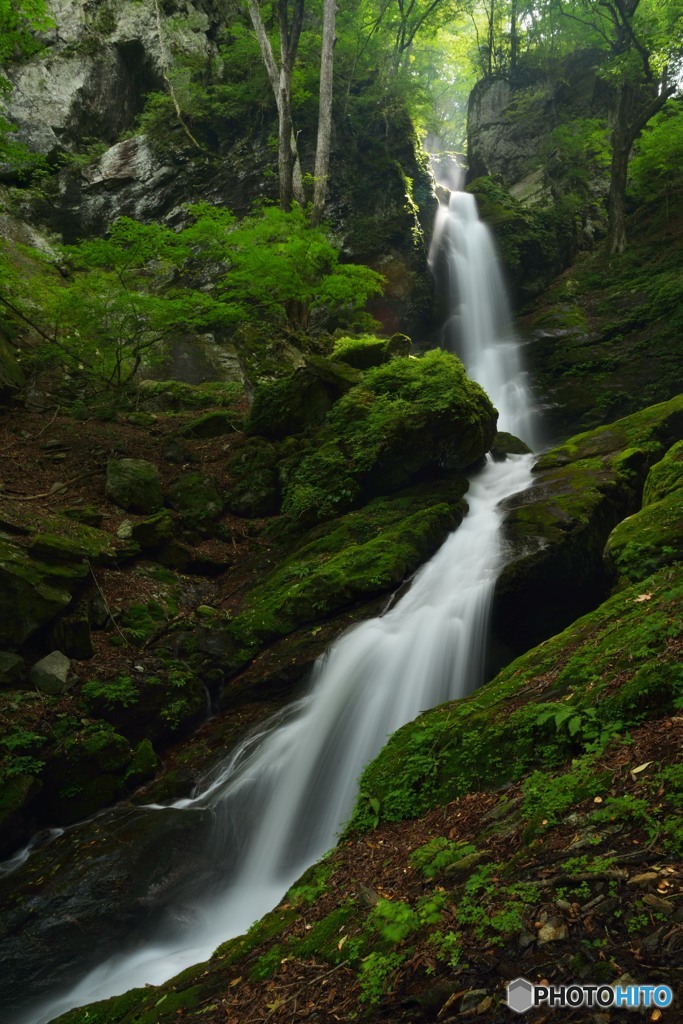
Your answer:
<point x="196" y="497"/>
<point x="648" y="540"/>
<point x="211" y="424"/>
<point x="613" y="668"/>
<point x="366" y="350"/>
<point x="346" y="561"/>
<point x="300" y="400"/>
<point x="666" y="476"/>
<point x="176" y="396"/>
<point x="253" y="489"/>
<point x="408" y="419"/>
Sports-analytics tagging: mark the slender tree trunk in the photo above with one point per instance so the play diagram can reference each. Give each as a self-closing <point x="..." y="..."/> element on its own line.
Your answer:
<point x="289" y="167"/>
<point x="514" y="36"/>
<point x="322" y="153"/>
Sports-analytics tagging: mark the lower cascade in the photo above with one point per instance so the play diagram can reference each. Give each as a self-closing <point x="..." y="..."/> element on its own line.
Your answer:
<point x="280" y="800"/>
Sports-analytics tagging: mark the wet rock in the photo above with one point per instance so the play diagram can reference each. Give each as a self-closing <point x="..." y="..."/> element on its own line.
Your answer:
<point x="51" y="673"/>
<point x="12" y="670"/>
<point x="505" y="444"/>
<point x="78" y="900"/>
<point x="134" y="485"/>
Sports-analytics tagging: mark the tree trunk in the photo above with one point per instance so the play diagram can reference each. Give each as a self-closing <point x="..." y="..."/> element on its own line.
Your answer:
<point x="289" y="168"/>
<point x="322" y="152"/>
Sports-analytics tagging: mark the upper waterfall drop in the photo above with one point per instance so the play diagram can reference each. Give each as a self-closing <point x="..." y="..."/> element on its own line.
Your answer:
<point x="478" y="327"/>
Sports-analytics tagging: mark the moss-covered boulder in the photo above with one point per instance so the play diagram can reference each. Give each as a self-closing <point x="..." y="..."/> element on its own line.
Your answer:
<point x="505" y="444"/>
<point x="32" y="592"/>
<point x="408" y="420"/>
<point x="666" y="476"/>
<point x="254" y="488"/>
<point x="558" y="528"/>
<point x="647" y="540"/>
<point x="195" y="496"/>
<point x="300" y="400"/>
<point x="366" y="350"/>
<point x="211" y="424"/>
<point x="340" y="564"/>
<point x="88" y="774"/>
<point x="153" y="532"/>
<point x="155" y="705"/>
<point x="134" y="485"/>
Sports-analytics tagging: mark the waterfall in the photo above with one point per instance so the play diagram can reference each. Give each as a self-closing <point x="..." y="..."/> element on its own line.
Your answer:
<point x="281" y="799"/>
<point x="479" y="325"/>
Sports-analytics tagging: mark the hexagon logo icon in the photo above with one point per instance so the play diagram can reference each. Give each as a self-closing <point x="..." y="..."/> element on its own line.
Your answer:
<point x="520" y="995"/>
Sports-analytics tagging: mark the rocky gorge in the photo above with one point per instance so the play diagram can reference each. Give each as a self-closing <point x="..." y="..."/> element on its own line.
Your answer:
<point x="174" y="562"/>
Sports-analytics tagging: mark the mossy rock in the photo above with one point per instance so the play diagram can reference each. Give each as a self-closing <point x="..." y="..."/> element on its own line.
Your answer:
<point x="505" y="444"/>
<point x="134" y="485"/>
<point x="177" y="396"/>
<point x="558" y="528"/>
<point x="143" y="766"/>
<point x="31" y="592"/>
<point x="12" y="377"/>
<point x="254" y="488"/>
<point x="211" y="424"/>
<point x="87" y="515"/>
<point x="408" y="420"/>
<point x="647" y="540"/>
<point x="301" y="400"/>
<point x="88" y="774"/>
<point x="665" y="476"/>
<point x="613" y="668"/>
<point x="342" y="563"/>
<point x="196" y="497"/>
<point x="148" y="706"/>
<point x="367" y="350"/>
<point x="153" y="532"/>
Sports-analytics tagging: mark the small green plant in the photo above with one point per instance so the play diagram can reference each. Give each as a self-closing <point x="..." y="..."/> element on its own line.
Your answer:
<point x="437" y="854"/>
<point x="375" y="975"/>
<point x="111" y="694"/>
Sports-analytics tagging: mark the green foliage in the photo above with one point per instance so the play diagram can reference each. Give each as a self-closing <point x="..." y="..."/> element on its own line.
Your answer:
<point x="110" y="694"/>
<point x="375" y="974"/>
<point x="437" y="854"/>
<point x="656" y="164"/>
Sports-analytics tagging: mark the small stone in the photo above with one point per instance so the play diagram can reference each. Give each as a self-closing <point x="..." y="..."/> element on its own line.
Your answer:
<point x="51" y="674"/>
<point x="134" y="485"/>
<point x="125" y="530"/>
<point x="153" y="532"/>
<point x="554" y="930"/>
<point x="526" y="938"/>
<point x="206" y="611"/>
<point x="470" y="1001"/>
<point x="658" y="904"/>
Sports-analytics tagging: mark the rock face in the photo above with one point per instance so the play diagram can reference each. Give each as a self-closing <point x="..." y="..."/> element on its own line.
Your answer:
<point x="101" y="62"/>
<point x="509" y="120"/>
<point x="559" y="526"/>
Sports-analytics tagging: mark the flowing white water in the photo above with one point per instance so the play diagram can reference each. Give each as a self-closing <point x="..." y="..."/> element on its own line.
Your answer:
<point x="281" y="799"/>
<point x="479" y="328"/>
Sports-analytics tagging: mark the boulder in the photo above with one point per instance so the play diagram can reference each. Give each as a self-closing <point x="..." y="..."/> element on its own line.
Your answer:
<point x="71" y="634"/>
<point x="51" y="674"/>
<point x="211" y="424"/>
<point x="300" y="400"/>
<point x="505" y="444"/>
<point x="134" y="485"/>
<point x="557" y="528"/>
<point x="153" y="532"/>
<point x="196" y="497"/>
<point x="31" y="592"/>
<point x="12" y="670"/>
<point x="406" y="421"/>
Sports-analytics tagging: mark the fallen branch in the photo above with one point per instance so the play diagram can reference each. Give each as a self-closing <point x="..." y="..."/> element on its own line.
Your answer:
<point x="55" y="489"/>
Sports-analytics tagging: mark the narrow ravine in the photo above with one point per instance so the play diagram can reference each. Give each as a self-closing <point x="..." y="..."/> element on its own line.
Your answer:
<point x="279" y="801"/>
